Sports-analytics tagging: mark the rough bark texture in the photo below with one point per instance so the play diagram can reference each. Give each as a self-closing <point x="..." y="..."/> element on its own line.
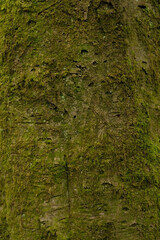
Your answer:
<point x="80" y="119"/>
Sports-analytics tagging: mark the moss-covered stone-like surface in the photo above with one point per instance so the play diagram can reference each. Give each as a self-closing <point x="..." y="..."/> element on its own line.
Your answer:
<point x="79" y="120"/>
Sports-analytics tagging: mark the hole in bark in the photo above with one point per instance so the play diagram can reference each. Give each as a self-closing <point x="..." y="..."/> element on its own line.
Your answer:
<point x="125" y="208"/>
<point x="121" y="197"/>
<point x="84" y="51"/>
<point x="120" y="159"/>
<point x="31" y="22"/>
<point x="108" y="93"/>
<point x="144" y="62"/>
<point x="65" y="112"/>
<point x="94" y="63"/>
<point x="74" y="116"/>
<point x="142" y="6"/>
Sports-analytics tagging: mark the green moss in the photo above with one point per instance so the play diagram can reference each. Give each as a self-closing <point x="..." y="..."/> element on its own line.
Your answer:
<point x="79" y="121"/>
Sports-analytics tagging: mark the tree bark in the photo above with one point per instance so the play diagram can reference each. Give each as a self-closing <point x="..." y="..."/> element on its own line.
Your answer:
<point x="79" y="125"/>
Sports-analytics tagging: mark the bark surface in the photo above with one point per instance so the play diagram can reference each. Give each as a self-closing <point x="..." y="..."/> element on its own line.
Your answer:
<point x="79" y="119"/>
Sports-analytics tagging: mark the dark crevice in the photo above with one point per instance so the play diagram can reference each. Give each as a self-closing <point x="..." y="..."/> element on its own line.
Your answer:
<point x="91" y="84"/>
<point x="45" y="9"/>
<point x="31" y="22"/>
<point x="84" y="51"/>
<point x="68" y="188"/>
<point x="94" y="63"/>
<point x="144" y="70"/>
<point x="125" y="208"/>
<point x="144" y="62"/>
<point x="143" y="6"/>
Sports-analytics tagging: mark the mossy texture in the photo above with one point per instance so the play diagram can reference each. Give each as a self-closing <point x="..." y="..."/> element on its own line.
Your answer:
<point x="79" y="120"/>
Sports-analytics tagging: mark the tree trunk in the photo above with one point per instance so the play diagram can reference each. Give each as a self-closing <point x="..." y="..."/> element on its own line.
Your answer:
<point x="79" y="120"/>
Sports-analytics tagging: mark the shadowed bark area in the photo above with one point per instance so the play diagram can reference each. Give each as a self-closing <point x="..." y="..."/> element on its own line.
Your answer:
<point x="79" y="120"/>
